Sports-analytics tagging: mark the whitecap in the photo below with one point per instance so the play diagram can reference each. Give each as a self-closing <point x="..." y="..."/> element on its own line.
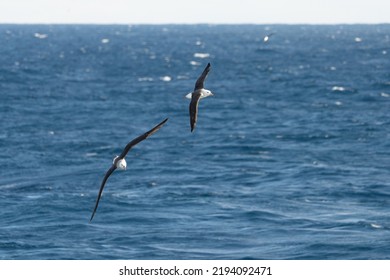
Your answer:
<point x="338" y="88"/>
<point x="383" y="94"/>
<point x="182" y="77"/>
<point x="201" y="55"/>
<point x="198" y="43"/>
<point x="384" y="52"/>
<point x="375" y="225"/>
<point x="358" y="39"/>
<point x="194" y="63"/>
<point x="105" y="40"/>
<point x="90" y="154"/>
<point x="33" y="196"/>
<point x="333" y="68"/>
<point x="338" y="103"/>
<point x="145" y="79"/>
<point x="152" y="184"/>
<point x="166" y="79"/>
<point x="40" y="36"/>
<point x="8" y="186"/>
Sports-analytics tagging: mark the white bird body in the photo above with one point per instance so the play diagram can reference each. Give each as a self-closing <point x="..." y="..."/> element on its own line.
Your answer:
<point x="120" y="163"/>
<point x="203" y="93"/>
<point x="267" y="37"/>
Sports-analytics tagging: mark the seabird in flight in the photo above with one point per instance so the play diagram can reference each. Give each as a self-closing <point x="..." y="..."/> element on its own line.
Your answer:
<point x="198" y="93"/>
<point x="120" y="162"/>
<point x="266" y="37"/>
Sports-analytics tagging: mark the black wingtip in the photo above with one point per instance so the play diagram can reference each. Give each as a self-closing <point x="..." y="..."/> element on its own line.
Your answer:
<point x="93" y="214"/>
<point x="161" y="124"/>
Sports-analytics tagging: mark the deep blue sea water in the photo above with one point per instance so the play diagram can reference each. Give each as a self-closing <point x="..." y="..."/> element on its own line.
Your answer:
<point x="290" y="158"/>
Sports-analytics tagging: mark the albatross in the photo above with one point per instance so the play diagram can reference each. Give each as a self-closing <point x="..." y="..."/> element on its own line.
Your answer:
<point x="198" y="93"/>
<point x="266" y="37"/>
<point x="120" y="162"/>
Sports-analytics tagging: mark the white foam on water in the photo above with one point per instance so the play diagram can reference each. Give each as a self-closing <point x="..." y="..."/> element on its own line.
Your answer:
<point x="91" y="154"/>
<point x="166" y="79"/>
<point x="194" y="63"/>
<point x="201" y="55"/>
<point x="145" y="79"/>
<point x="375" y="225"/>
<point x="338" y="88"/>
<point x="40" y="36"/>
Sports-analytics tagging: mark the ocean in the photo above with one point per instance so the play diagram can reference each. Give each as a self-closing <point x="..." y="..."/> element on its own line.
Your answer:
<point x="289" y="160"/>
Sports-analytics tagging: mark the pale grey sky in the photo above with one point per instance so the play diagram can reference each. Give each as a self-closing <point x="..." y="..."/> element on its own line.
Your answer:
<point x="190" y="11"/>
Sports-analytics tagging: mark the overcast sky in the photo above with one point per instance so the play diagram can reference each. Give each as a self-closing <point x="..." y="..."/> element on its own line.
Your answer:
<point x="190" y="11"/>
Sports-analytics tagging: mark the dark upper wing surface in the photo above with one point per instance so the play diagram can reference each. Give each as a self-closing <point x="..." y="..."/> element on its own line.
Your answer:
<point x="200" y="82"/>
<point x="108" y="173"/>
<point x="141" y="138"/>
<point x="194" y="109"/>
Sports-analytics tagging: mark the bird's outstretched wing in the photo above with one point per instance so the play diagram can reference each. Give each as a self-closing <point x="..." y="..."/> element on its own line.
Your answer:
<point x="194" y="109"/>
<point x="108" y="173"/>
<point x="123" y="154"/>
<point x="200" y="82"/>
<point x="141" y="138"/>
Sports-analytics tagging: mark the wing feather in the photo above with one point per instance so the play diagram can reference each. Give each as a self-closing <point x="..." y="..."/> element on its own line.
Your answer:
<point x="200" y="82"/>
<point x="141" y="138"/>
<point x="194" y="109"/>
<point x="108" y="173"/>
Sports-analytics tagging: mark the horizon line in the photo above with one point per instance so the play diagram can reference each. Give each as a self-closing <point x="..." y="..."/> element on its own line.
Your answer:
<point x="200" y="23"/>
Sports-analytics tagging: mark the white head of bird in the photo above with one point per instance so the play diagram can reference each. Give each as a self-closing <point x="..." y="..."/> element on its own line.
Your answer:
<point x="205" y="93"/>
<point x="120" y="163"/>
